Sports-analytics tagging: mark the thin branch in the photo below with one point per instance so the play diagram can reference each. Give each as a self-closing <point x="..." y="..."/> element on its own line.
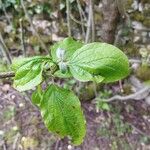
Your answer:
<point x="77" y="21"/>
<point x="68" y="17"/>
<point x="22" y="38"/>
<point x="90" y="24"/>
<point x="5" y="12"/>
<point x="92" y="20"/>
<point x="7" y="74"/>
<point x="136" y="82"/>
<point x="33" y="27"/>
<point x="139" y="131"/>
<point x="10" y="74"/>
<point x="81" y="10"/>
<point x="88" y="31"/>
<point x="121" y="7"/>
<point x="81" y="17"/>
<point x="140" y="95"/>
<point x="15" y="143"/>
<point x="135" y="61"/>
<point x="5" y="50"/>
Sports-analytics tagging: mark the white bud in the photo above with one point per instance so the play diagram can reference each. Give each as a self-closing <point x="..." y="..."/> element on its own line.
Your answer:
<point x="60" y="53"/>
<point x="63" y="67"/>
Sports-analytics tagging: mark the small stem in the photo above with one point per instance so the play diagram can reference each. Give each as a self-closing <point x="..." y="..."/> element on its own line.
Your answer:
<point x="5" y="50"/>
<point x="92" y="20"/>
<point x="81" y="10"/>
<point x="77" y="21"/>
<point x="95" y="89"/>
<point x="120" y="85"/>
<point x="91" y="24"/>
<point x="68" y="18"/>
<point x="81" y="17"/>
<point x="22" y="38"/>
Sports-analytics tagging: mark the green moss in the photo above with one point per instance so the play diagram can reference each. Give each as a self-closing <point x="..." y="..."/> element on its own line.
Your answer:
<point x="98" y="18"/>
<point x="146" y="12"/>
<point x="146" y="22"/>
<point x="33" y="40"/>
<point x="145" y="1"/>
<point x="137" y="16"/>
<point x="127" y="89"/>
<point x="87" y="92"/>
<point x="2" y="26"/>
<point x="128" y="4"/>
<point x="143" y="73"/>
<point x="130" y="49"/>
<point x="142" y="17"/>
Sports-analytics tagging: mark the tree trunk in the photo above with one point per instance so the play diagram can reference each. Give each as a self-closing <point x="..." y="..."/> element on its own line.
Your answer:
<point x="110" y="18"/>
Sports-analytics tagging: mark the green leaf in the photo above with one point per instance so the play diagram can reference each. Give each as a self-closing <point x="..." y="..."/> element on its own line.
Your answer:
<point x="62" y="113"/>
<point x="18" y="62"/>
<point x="28" y="72"/>
<point x="103" y="105"/>
<point x="69" y="45"/>
<point x="100" y="62"/>
<point x="61" y="75"/>
<point x="37" y="96"/>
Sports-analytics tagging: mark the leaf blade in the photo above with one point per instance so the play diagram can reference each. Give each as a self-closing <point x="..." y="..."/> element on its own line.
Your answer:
<point x="28" y="72"/>
<point x="62" y="114"/>
<point x="100" y="59"/>
<point x="69" y="45"/>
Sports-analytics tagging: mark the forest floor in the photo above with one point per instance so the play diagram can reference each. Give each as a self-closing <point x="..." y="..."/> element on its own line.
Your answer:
<point x="126" y="126"/>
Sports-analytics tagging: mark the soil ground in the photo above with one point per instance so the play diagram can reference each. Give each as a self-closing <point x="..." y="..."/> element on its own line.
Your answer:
<point x="125" y="127"/>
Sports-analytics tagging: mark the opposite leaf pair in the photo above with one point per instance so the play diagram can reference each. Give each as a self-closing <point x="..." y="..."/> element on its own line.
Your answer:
<point x="60" y="108"/>
<point x="99" y="62"/>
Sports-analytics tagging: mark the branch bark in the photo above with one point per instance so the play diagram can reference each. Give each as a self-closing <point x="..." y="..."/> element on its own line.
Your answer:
<point x="141" y="94"/>
<point x="10" y="74"/>
<point x="22" y="38"/>
<point x="90" y="24"/>
<point x="110" y="18"/>
<point x="68" y="17"/>
<point x="5" y="50"/>
<point x="7" y="74"/>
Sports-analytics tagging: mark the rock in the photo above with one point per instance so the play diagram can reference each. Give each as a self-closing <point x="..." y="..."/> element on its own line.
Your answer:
<point x="144" y="34"/>
<point x="6" y="88"/>
<point x="13" y="96"/>
<point x="1" y="132"/>
<point x="135" y="5"/>
<point x="147" y="100"/>
<point x="135" y="66"/>
<point x="141" y="7"/>
<point x="136" y="39"/>
<point x="21" y="105"/>
<point x="138" y="25"/>
<point x="145" y="40"/>
<point x="69" y="147"/>
<point x="148" y="47"/>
